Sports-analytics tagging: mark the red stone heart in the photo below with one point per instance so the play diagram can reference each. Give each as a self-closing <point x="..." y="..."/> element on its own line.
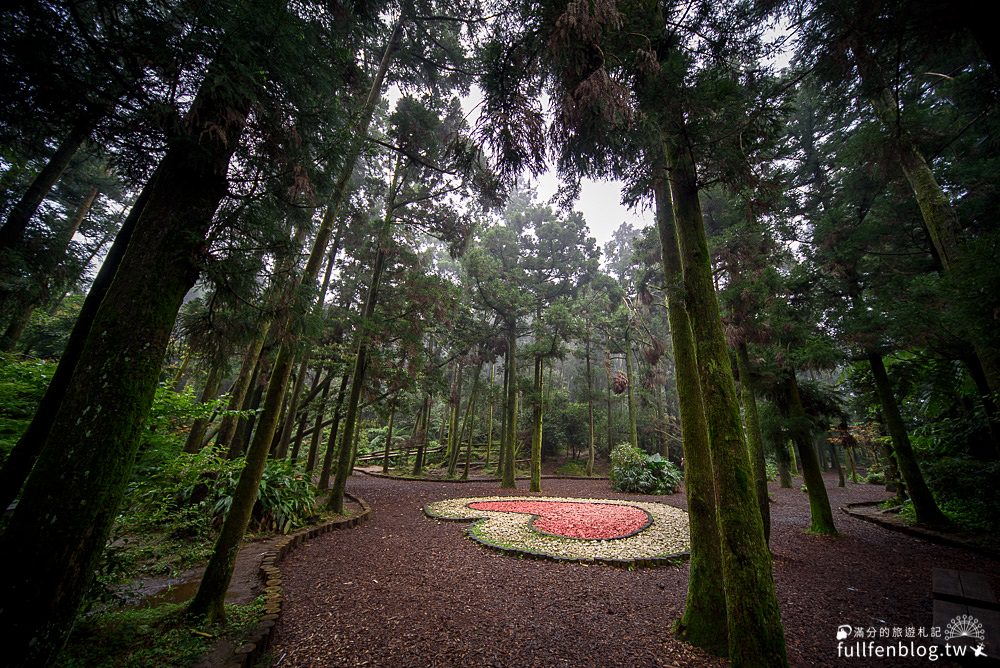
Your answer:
<point x="571" y="519"/>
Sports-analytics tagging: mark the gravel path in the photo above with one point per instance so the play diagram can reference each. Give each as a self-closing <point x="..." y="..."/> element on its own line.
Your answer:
<point x="405" y="590"/>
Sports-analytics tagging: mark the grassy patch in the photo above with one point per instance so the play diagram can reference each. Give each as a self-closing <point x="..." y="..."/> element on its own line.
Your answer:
<point x="162" y="636"/>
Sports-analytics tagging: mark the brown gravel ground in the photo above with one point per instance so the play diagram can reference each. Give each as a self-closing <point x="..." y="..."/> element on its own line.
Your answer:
<point x="404" y="590"/>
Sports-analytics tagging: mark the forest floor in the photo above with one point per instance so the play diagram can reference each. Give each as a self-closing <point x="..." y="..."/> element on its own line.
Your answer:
<point x="405" y="590"/>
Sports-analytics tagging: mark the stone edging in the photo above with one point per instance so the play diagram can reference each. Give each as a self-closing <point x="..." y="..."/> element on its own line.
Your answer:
<point x="247" y="654"/>
<point x="929" y="535"/>
<point x="376" y="474"/>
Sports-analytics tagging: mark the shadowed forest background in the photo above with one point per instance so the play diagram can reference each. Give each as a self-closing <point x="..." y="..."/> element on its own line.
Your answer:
<point x="249" y="246"/>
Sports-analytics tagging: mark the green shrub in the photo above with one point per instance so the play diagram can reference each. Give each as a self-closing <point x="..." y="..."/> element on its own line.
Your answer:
<point x="875" y="475"/>
<point x="770" y="469"/>
<point x="632" y="470"/>
<point x="573" y="467"/>
<point x="22" y="384"/>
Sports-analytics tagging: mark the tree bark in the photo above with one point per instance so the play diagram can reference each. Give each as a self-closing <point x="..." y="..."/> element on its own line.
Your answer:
<point x="536" y="426"/>
<point x="821" y="517"/>
<point x="62" y="523"/>
<point x="703" y="621"/>
<point x="510" y="411"/>
<point x="755" y="440"/>
<point x="12" y="232"/>
<point x="633" y="425"/>
<point x="924" y="505"/>
<point x="196" y="437"/>
<point x="331" y="445"/>
<point x="591" y="449"/>
<point x="756" y="636"/>
<point x="388" y="437"/>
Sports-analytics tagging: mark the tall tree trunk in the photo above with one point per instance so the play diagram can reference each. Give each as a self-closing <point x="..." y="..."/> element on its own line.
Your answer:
<point x="939" y="216"/>
<point x="756" y="636"/>
<point x="304" y="419"/>
<point x="703" y="622"/>
<point x="388" y="437"/>
<point x="536" y="426"/>
<point x="489" y="420"/>
<point x="633" y="424"/>
<point x="336" y="501"/>
<point x="53" y="541"/>
<point x="317" y="429"/>
<point x="196" y="437"/>
<point x="784" y="464"/>
<point x="454" y="406"/>
<point x="22" y="457"/>
<point x="591" y="449"/>
<point x="423" y="424"/>
<point x="835" y="458"/>
<point x="821" y="517"/>
<point x="55" y="256"/>
<point x="293" y="407"/>
<point x="755" y="440"/>
<point x="12" y="232"/>
<point x="510" y="411"/>
<point x="467" y="421"/>
<point x="924" y="505"/>
<point x="331" y="445"/>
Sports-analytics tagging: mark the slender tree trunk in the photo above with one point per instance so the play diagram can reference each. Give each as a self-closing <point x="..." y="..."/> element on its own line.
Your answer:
<point x="424" y="423"/>
<point x="12" y="232"/>
<point x="317" y="430"/>
<point x="489" y="422"/>
<point x="835" y="458"/>
<point x="55" y="257"/>
<point x="196" y="437"/>
<point x="454" y="405"/>
<point x="536" y="427"/>
<point x="784" y="464"/>
<point x="508" y="452"/>
<point x="591" y="449"/>
<point x="938" y="214"/>
<point x="336" y="502"/>
<point x="331" y="446"/>
<point x="633" y="428"/>
<point x="53" y="541"/>
<point x="819" y="502"/>
<point x="703" y="621"/>
<point x="924" y="505"/>
<point x="388" y="437"/>
<point x="756" y="636"/>
<point x="293" y="407"/>
<point x="304" y="420"/>
<point x="467" y="421"/>
<point x="755" y="440"/>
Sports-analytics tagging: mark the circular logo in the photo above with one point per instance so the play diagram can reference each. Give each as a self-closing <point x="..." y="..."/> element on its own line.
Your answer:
<point x="964" y="626"/>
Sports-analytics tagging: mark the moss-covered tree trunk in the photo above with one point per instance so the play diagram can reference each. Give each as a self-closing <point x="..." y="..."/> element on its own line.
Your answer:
<point x="291" y="414"/>
<point x="388" y="436"/>
<point x="196" y="437"/>
<point x="454" y="408"/>
<point x="536" y="426"/>
<point x="784" y="463"/>
<point x="22" y="456"/>
<point x="924" y="505"/>
<point x="423" y="424"/>
<point x="13" y="229"/>
<point x="331" y="444"/>
<point x="703" y="622"/>
<point x="317" y="426"/>
<point x="821" y="517"/>
<point x="633" y="424"/>
<point x="591" y="449"/>
<point x="755" y="440"/>
<point x="467" y="425"/>
<point x="508" y="452"/>
<point x="938" y="215"/>
<point x="756" y="636"/>
<point x="489" y="418"/>
<point x="62" y="523"/>
<point x="238" y="392"/>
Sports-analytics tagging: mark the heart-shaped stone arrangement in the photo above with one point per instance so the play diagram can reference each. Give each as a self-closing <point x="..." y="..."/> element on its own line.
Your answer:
<point x="572" y="519"/>
<point x="612" y="531"/>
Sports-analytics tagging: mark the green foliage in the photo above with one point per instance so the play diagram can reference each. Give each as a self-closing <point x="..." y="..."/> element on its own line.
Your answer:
<point x="162" y="636"/>
<point x="875" y="476"/>
<point x="22" y="384"/>
<point x="770" y="469"/>
<point x="573" y="467"/>
<point x="632" y="470"/>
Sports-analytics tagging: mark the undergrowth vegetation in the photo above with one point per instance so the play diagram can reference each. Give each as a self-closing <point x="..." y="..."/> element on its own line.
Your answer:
<point x="632" y="470"/>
